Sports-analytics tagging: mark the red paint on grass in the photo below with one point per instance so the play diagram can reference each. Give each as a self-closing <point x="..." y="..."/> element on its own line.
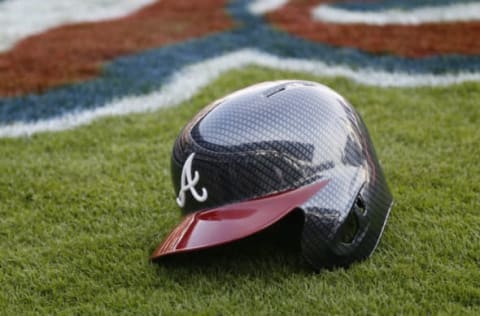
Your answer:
<point x="76" y="52"/>
<point x="403" y="40"/>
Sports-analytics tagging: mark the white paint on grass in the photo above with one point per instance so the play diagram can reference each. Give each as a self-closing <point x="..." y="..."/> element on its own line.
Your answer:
<point x="260" y="7"/>
<point x="185" y="83"/>
<point x="21" y="18"/>
<point x="428" y="14"/>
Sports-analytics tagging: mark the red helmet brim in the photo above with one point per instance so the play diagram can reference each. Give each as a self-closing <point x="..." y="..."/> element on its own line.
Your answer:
<point x="213" y="227"/>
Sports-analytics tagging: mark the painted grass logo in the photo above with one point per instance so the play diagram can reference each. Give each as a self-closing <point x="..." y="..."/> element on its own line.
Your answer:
<point x="454" y="12"/>
<point x="72" y="74"/>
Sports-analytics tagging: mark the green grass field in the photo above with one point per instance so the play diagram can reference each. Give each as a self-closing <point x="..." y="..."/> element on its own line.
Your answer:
<point x="82" y="210"/>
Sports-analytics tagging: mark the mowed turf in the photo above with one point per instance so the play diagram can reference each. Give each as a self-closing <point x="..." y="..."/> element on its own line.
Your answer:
<point x="82" y="210"/>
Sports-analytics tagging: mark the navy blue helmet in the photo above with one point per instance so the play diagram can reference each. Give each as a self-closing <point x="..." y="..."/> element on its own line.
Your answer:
<point x="249" y="159"/>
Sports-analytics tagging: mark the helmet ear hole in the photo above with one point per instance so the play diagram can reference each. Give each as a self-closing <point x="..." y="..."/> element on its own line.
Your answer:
<point x="349" y="229"/>
<point x="351" y="226"/>
<point x="360" y="205"/>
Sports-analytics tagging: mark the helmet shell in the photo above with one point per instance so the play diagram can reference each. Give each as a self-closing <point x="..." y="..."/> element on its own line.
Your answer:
<point x="279" y="136"/>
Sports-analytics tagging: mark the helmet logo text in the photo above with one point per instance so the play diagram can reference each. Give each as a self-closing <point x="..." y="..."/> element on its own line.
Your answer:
<point x="188" y="184"/>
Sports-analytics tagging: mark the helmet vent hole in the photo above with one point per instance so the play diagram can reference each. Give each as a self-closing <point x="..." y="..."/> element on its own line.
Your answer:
<point x="272" y="93"/>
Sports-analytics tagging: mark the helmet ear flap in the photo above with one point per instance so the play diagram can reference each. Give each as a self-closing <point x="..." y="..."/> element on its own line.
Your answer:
<point x="354" y="223"/>
<point x="349" y="229"/>
<point x="323" y="246"/>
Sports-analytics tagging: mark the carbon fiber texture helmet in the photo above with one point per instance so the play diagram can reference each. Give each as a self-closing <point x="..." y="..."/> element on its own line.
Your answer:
<point x="249" y="159"/>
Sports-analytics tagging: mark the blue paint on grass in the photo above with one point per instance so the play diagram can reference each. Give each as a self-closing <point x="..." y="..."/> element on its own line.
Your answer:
<point x="394" y="4"/>
<point x="146" y="71"/>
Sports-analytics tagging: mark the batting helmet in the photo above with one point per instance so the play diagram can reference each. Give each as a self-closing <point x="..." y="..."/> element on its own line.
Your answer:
<point x="254" y="156"/>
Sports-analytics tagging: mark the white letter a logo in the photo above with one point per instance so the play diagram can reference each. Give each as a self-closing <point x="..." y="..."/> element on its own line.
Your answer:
<point x="187" y="183"/>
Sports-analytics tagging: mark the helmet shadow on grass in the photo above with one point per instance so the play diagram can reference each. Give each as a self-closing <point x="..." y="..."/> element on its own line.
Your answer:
<point x="273" y="250"/>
